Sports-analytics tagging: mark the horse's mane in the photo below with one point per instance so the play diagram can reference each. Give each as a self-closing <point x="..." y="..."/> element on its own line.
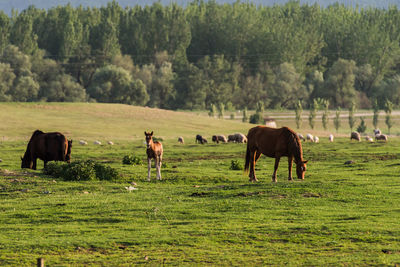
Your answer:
<point x="35" y="133"/>
<point x="294" y="144"/>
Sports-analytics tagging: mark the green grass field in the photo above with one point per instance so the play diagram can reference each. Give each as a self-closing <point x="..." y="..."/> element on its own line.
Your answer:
<point x="201" y="213"/>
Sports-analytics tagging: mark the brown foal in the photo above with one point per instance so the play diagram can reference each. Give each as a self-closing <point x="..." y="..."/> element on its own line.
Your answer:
<point x="154" y="151"/>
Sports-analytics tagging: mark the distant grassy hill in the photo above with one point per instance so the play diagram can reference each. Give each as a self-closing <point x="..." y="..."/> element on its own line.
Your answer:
<point x="107" y="121"/>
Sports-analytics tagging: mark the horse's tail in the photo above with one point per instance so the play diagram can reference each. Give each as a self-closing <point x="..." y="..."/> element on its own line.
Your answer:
<point x="247" y="163"/>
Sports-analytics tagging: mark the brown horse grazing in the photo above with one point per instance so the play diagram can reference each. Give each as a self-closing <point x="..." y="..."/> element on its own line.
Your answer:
<point x="47" y="147"/>
<point x="154" y="151"/>
<point x="274" y="143"/>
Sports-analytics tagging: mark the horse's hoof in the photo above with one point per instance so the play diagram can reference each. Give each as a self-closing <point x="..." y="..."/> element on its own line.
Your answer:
<point x="290" y="179"/>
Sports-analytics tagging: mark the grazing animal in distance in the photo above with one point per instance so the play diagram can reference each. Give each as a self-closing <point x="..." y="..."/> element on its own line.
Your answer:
<point x="237" y="138"/>
<point x="381" y="137"/>
<point x="47" y="147"/>
<point x="111" y="143"/>
<point x="201" y="140"/>
<point x="154" y="151"/>
<point x="310" y="137"/>
<point x="301" y="137"/>
<point x="331" y="138"/>
<point x="377" y="131"/>
<point x="181" y="140"/>
<point x="82" y="142"/>
<point x="231" y="138"/>
<point x="97" y="142"/>
<point x="355" y="136"/>
<point x="240" y="138"/>
<point x="274" y="143"/>
<point x="219" y="138"/>
<point x="316" y="139"/>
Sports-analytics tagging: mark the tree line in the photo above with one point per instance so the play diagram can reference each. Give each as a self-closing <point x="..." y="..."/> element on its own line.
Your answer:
<point x="202" y="55"/>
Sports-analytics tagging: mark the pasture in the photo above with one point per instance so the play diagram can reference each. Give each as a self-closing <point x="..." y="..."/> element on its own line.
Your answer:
<point x="202" y="212"/>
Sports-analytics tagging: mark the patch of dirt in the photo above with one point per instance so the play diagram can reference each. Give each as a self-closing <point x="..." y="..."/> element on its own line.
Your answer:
<point x="248" y="194"/>
<point x="8" y="173"/>
<point x="278" y="196"/>
<point x="309" y="194"/>
<point x="200" y="194"/>
<point x="389" y="251"/>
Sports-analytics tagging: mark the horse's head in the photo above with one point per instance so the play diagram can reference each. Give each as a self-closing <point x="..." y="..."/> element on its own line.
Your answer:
<point x="68" y="156"/>
<point x="301" y="169"/>
<point x="149" y="137"/>
<point x="25" y="163"/>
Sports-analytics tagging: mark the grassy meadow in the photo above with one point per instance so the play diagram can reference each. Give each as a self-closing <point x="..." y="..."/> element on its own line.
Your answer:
<point x="202" y="212"/>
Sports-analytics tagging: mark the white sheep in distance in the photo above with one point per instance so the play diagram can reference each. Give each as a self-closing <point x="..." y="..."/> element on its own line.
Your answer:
<point x="301" y="137"/>
<point x="381" y="137"/>
<point x="82" y="142"/>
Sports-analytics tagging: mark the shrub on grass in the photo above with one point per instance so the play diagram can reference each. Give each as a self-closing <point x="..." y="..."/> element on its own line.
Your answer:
<point x="256" y="118"/>
<point x="81" y="171"/>
<point x="131" y="160"/>
<point x="104" y="172"/>
<point x="157" y="139"/>
<point x="236" y="165"/>
<point x="55" y="168"/>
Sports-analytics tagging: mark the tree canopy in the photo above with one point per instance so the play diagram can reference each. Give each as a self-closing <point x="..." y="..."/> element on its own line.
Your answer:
<point x="202" y="54"/>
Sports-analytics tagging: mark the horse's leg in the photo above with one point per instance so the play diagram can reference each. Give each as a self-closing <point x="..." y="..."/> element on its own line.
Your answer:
<point x="148" y="168"/>
<point x="34" y="163"/>
<point x="157" y="163"/>
<point x="159" y="166"/>
<point x="254" y="155"/>
<point x="290" y="162"/>
<point x="275" y="168"/>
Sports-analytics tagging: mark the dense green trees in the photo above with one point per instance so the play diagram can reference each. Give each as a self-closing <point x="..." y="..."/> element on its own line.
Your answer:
<point x="202" y="54"/>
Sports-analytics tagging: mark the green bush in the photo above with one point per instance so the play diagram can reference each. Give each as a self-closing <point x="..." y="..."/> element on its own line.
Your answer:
<point x="236" y="165"/>
<point x="104" y="172"/>
<point x="55" y="168"/>
<point x="157" y="139"/>
<point x="131" y="160"/>
<point x="256" y="118"/>
<point x="81" y="171"/>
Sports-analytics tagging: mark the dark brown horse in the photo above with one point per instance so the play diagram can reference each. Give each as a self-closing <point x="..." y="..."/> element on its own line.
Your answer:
<point x="274" y="143"/>
<point x="154" y="151"/>
<point x="47" y="147"/>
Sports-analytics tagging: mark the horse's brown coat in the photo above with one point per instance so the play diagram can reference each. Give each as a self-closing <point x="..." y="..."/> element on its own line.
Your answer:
<point x="154" y="151"/>
<point x="47" y="147"/>
<point x="274" y="143"/>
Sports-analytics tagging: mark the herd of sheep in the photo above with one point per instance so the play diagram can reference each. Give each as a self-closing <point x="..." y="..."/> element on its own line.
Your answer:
<point x="235" y="138"/>
<point x="354" y="135"/>
<point x="241" y="138"/>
